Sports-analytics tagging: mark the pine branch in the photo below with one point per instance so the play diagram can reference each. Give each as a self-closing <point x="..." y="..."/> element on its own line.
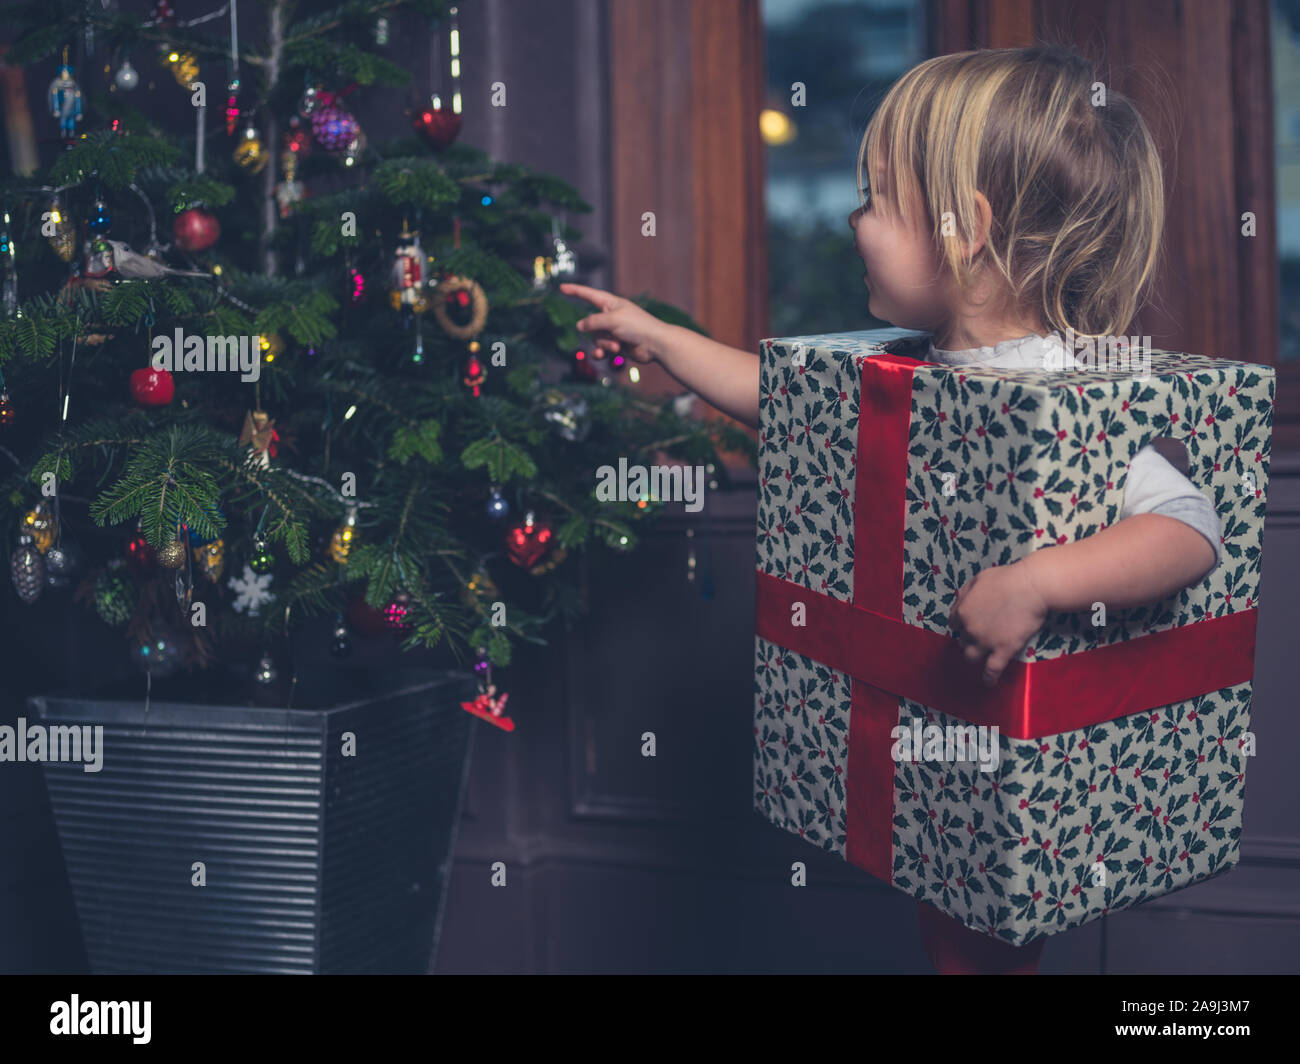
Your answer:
<point x="113" y="158"/>
<point x="348" y="14"/>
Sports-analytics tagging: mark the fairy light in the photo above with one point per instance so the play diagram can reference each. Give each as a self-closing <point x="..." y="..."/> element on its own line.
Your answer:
<point x="454" y="39"/>
<point x="351" y="410"/>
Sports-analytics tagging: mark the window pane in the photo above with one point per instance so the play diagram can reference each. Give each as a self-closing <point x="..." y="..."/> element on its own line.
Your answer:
<point x="845" y="56"/>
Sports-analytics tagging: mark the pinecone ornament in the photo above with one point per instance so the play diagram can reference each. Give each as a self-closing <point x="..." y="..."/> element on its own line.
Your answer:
<point x="27" y="569"/>
<point x="113" y="599"/>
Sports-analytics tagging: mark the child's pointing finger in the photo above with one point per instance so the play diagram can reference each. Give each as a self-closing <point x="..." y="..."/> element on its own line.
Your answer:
<point x="604" y="300"/>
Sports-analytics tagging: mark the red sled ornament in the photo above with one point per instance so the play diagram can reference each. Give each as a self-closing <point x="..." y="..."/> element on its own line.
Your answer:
<point x="1120" y="771"/>
<point x="490" y="706"/>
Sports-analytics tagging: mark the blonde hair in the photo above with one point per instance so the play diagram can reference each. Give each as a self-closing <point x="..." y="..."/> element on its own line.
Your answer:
<point x="1076" y="189"/>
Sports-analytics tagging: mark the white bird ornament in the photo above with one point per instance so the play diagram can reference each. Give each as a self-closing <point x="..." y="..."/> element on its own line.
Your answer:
<point x="136" y="267"/>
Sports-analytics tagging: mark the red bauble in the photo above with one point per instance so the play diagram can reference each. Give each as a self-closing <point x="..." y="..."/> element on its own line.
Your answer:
<point x="527" y="543"/>
<point x="196" y="230"/>
<point x="366" y="619"/>
<point x="438" y="127"/>
<point x="139" y="555"/>
<point x="152" y="387"/>
<point x="584" y="368"/>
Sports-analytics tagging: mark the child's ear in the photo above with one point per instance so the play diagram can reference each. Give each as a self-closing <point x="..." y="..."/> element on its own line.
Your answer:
<point x="983" y="223"/>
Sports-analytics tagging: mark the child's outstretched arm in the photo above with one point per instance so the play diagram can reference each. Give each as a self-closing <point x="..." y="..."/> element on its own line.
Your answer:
<point x="1139" y="560"/>
<point x="725" y="376"/>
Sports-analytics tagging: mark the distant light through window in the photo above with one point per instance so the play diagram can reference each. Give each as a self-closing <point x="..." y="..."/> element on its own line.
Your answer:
<point x="828" y="65"/>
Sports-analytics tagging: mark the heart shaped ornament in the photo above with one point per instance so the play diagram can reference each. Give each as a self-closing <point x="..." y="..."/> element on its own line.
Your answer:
<point x="528" y="543"/>
<point x="437" y="126"/>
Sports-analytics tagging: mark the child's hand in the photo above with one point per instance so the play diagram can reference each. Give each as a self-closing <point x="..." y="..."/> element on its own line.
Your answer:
<point x="621" y="326"/>
<point x="996" y="613"/>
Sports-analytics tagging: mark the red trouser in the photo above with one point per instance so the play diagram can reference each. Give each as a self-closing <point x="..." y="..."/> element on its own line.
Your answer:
<point x="955" y="949"/>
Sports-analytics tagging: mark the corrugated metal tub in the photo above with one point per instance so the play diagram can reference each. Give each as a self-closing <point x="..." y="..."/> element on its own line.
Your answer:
<point x="311" y="860"/>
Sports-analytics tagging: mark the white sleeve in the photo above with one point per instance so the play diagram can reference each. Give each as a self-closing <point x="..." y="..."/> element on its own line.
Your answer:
<point x="1155" y="486"/>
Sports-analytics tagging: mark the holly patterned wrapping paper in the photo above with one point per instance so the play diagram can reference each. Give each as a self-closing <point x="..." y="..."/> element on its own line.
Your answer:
<point x="885" y="484"/>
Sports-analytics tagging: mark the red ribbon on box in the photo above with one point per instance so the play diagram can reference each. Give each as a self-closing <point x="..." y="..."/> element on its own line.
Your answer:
<point x="886" y="657"/>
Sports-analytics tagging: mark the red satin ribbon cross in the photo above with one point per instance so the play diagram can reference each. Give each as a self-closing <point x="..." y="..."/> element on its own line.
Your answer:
<point x="887" y="658"/>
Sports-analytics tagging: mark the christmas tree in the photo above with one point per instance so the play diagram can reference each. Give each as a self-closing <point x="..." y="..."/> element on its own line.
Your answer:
<point x="267" y="370"/>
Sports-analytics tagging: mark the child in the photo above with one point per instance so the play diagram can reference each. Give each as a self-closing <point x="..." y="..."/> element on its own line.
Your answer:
<point x="1005" y="205"/>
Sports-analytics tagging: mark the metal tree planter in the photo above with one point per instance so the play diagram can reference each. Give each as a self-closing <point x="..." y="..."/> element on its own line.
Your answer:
<point x="228" y="838"/>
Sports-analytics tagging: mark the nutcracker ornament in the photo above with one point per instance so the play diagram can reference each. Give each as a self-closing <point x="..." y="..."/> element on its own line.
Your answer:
<point x="408" y="291"/>
<point x="259" y="433"/>
<point x="65" y="99"/>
